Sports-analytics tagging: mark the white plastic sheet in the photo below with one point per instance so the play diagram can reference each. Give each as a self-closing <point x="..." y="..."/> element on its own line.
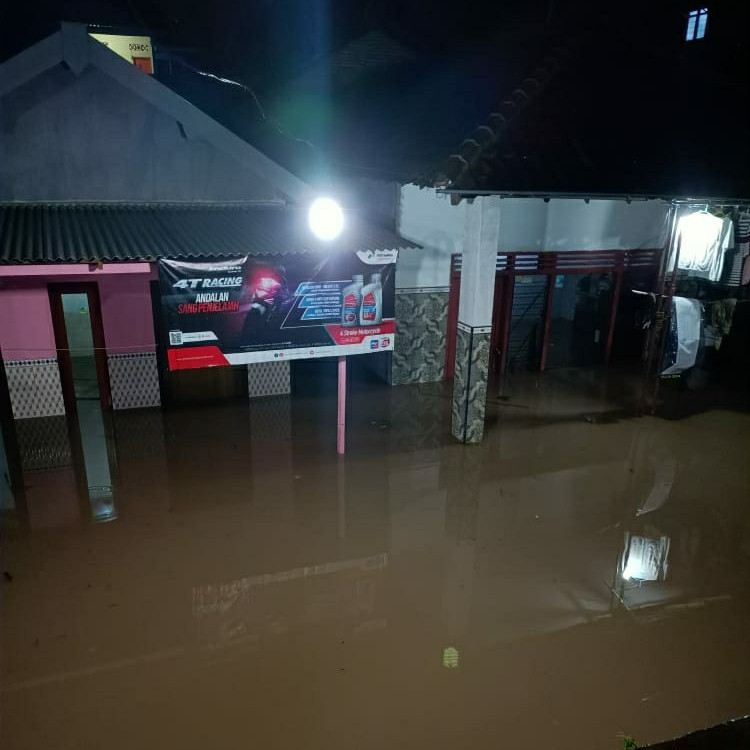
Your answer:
<point x="687" y="315"/>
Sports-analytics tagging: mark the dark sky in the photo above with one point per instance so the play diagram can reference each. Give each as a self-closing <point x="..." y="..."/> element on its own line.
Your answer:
<point x="267" y="39"/>
<point x="655" y="98"/>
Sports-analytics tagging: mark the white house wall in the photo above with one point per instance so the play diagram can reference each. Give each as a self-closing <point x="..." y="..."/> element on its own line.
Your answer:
<point x="430" y="220"/>
<point x="422" y="279"/>
<point x="66" y="137"/>
<point x="603" y="225"/>
<point x="526" y="225"/>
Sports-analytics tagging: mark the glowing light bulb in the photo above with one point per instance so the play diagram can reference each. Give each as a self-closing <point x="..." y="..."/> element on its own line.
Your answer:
<point x="326" y="219"/>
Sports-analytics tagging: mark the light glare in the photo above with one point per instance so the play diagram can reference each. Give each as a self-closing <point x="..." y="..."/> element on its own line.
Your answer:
<point x="326" y="218"/>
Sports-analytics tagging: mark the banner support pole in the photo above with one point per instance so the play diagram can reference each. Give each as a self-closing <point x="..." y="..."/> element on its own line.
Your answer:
<point x="341" y="430"/>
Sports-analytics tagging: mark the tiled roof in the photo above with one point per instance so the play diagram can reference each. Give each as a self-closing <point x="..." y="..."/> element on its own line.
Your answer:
<point x="48" y="233"/>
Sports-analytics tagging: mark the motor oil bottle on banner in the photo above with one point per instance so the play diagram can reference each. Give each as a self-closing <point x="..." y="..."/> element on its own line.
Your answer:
<point x="371" y="310"/>
<point x="352" y="299"/>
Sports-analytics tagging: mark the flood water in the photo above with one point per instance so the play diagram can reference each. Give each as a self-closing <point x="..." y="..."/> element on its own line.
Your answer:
<point x="216" y="577"/>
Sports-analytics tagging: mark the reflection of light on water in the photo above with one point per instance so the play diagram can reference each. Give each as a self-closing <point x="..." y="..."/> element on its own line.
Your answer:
<point x="219" y="597"/>
<point x="450" y="657"/>
<point x="102" y="504"/>
<point x="646" y="558"/>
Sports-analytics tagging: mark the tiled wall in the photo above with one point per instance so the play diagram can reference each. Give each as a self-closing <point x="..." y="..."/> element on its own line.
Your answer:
<point x="134" y="380"/>
<point x="268" y="379"/>
<point x="421" y="322"/>
<point x="470" y="383"/>
<point x="35" y="389"/>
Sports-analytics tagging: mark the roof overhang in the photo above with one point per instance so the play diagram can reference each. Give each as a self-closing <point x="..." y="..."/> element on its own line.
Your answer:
<point x="117" y="232"/>
<point x="457" y="194"/>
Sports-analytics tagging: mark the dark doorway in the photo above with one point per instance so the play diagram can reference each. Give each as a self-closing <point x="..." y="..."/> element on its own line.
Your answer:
<point x="501" y="317"/>
<point x="580" y="319"/>
<point x="526" y="329"/>
<point x="79" y="339"/>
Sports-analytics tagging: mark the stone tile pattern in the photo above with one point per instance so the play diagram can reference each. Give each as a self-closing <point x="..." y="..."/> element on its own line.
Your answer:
<point x="271" y="420"/>
<point x="44" y="443"/>
<point x="421" y="323"/>
<point x="268" y="379"/>
<point x="35" y="389"/>
<point x="134" y="380"/>
<point x="470" y="384"/>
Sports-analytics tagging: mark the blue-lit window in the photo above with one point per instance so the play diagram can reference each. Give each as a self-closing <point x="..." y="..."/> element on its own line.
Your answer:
<point x="696" y="25"/>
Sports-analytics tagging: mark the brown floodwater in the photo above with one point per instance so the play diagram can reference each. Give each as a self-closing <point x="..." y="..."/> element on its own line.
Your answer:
<point x="216" y="577"/>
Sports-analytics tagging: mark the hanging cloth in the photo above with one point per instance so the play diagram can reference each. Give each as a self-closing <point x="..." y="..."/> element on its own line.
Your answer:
<point x="703" y="239"/>
<point x="722" y="312"/>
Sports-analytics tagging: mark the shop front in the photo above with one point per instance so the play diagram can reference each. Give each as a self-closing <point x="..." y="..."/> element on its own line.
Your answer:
<point x="132" y="173"/>
<point x="77" y="328"/>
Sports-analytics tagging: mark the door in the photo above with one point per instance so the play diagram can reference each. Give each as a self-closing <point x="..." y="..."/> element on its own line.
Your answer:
<point x="580" y="319"/>
<point x="79" y="339"/>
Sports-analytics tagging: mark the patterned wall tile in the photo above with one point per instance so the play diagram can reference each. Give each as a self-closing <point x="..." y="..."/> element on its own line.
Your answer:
<point x="134" y="380"/>
<point x="44" y="443"/>
<point x="421" y="323"/>
<point x="470" y="384"/>
<point x="268" y="379"/>
<point x="35" y="389"/>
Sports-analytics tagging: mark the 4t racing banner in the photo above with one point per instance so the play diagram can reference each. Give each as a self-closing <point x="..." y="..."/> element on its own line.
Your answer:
<point x="270" y="308"/>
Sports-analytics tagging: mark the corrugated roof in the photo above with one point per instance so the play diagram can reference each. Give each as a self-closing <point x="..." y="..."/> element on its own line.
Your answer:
<point x="48" y="233"/>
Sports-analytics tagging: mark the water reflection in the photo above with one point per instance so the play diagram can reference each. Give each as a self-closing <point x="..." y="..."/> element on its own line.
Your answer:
<point x="645" y="559"/>
<point x="548" y="582"/>
<point x="99" y="460"/>
<point x="7" y="500"/>
<point x="246" y="609"/>
<point x="66" y="467"/>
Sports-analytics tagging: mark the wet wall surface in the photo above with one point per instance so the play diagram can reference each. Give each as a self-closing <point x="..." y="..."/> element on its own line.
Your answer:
<point x="216" y="577"/>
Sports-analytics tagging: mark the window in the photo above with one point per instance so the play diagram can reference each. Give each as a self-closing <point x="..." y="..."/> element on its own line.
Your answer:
<point x="696" y="25"/>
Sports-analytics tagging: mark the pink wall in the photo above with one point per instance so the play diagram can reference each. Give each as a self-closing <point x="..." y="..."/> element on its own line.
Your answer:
<point x="126" y="311"/>
<point x="26" y="322"/>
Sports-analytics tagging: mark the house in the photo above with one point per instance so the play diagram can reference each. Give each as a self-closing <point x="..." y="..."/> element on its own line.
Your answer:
<point x="559" y="158"/>
<point x="104" y="170"/>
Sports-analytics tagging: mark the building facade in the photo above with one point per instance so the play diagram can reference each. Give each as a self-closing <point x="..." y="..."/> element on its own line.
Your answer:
<point x="103" y="170"/>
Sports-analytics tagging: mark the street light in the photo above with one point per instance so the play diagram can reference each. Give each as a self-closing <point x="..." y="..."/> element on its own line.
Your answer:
<point x="326" y="219"/>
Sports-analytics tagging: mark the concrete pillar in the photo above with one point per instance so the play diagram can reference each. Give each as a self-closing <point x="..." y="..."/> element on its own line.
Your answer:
<point x="481" y="241"/>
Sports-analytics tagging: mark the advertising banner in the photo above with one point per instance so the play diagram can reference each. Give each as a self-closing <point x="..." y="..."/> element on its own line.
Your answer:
<point x="268" y="308"/>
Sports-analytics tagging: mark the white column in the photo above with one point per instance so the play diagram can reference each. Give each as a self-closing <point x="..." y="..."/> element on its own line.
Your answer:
<point x="481" y="242"/>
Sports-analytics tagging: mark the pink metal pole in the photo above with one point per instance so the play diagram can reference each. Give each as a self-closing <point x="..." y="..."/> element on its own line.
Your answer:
<point x="341" y="432"/>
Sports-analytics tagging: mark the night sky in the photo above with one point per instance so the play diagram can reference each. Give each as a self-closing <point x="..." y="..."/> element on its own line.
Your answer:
<point x="267" y="40"/>
<point x="637" y="100"/>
